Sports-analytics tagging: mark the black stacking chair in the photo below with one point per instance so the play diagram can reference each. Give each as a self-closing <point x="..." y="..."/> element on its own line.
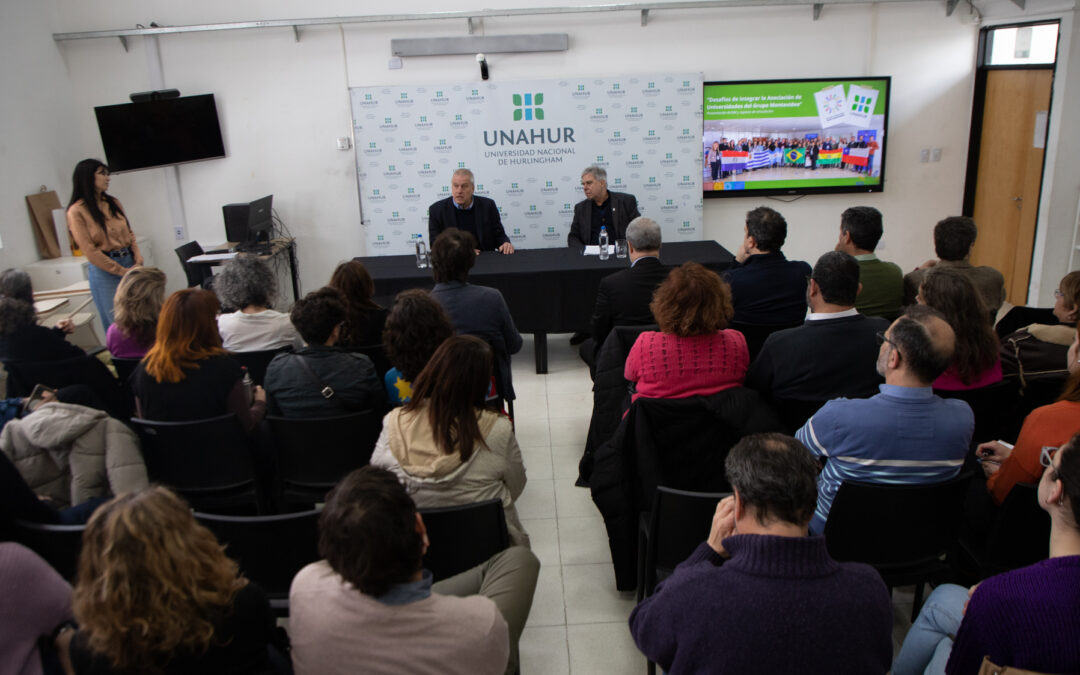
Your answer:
<point x="903" y="531"/>
<point x="377" y="354"/>
<point x="84" y="370"/>
<point x="462" y="537"/>
<point x="257" y="362"/>
<point x="1019" y="536"/>
<point x="196" y="274"/>
<point x="58" y="545"/>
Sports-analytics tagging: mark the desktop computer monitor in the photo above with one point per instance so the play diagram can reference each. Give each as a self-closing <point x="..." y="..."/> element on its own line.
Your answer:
<point x="249" y="223"/>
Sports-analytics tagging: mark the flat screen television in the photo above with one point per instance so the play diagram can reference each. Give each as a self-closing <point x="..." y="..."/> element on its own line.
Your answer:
<point x="159" y="133"/>
<point x="793" y="137"/>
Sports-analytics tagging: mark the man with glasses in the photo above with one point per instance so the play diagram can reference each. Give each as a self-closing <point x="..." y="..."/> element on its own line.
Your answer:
<point x="832" y="354"/>
<point x="905" y="434"/>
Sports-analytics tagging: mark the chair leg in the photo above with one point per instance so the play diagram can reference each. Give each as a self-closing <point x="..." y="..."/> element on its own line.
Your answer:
<point x="917" y="601"/>
<point x="650" y="668"/>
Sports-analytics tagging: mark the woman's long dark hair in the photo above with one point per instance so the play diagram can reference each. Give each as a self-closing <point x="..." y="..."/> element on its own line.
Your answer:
<point x="82" y="182"/>
<point x="453" y="385"/>
<point x="952" y="294"/>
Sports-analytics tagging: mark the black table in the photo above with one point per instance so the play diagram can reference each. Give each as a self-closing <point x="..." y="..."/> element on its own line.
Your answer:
<point x="549" y="290"/>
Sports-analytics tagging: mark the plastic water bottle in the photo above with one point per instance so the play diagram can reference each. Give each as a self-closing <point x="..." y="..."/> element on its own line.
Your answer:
<point x="603" y="244"/>
<point x="421" y="252"/>
<point x="249" y="385"/>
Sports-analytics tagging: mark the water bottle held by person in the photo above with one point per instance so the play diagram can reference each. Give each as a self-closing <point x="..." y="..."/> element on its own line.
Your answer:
<point x="603" y="243"/>
<point x="421" y="252"/>
<point x="249" y="385"/>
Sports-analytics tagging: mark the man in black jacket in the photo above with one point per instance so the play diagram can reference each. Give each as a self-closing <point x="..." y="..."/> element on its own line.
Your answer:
<point x="474" y="214"/>
<point x="600" y="208"/>
<point x="623" y="298"/>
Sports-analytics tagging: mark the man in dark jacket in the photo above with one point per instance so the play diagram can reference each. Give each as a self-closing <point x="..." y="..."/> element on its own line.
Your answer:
<point x="321" y="380"/>
<point x="470" y="213"/>
<point x="623" y="298"/>
<point x="600" y="208"/>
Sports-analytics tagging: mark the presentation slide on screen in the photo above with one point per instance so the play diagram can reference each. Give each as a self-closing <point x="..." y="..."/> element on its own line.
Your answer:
<point x="792" y="135"/>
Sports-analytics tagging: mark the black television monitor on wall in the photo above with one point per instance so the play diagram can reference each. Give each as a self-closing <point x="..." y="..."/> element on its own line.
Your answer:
<point x="159" y="133"/>
<point x="792" y="137"/>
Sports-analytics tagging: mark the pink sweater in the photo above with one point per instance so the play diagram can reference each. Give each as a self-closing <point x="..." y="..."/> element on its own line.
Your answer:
<point x="950" y="379"/>
<point x="668" y="366"/>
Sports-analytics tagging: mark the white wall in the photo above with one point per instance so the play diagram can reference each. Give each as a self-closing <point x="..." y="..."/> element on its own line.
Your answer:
<point x="283" y="103"/>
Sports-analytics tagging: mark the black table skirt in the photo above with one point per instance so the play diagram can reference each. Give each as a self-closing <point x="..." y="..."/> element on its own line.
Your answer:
<point x="549" y="290"/>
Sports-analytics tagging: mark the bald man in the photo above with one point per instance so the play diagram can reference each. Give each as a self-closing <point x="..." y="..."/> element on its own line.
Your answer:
<point x="905" y="434"/>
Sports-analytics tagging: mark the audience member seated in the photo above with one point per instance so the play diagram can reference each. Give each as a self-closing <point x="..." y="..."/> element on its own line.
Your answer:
<point x="473" y="310"/>
<point x="366" y="318"/>
<point x="693" y="354"/>
<point x="187" y="375"/>
<point x="1050" y="425"/>
<point x="370" y="605"/>
<point x="245" y="286"/>
<point x="759" y="596"/>
<point x="37" y="603"/>
<point x="767" y="288"/>
<point x="136" y="307"/>
<point x="953" y="238"/>
<point x="1027" y="618"/>
<point x="71" y="453"/>
<point x="415" y="328"/>
<point x="904" y="435"/>
<point x="623" y="298"/>
<point x="155" y="593"/>
<point x="882" y="282"/>
<point x="18" y="502"/>
<point x="1037" y="350"/>
<point x="446" y="448"/>
<point x="22" y="340"/>
<point x="321" y="380"/>
<point x="834" y="353"/>
<point x="976" y="362"/>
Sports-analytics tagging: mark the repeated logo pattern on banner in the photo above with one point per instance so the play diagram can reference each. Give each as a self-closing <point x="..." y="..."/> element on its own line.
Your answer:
<point x="527" y="143"/>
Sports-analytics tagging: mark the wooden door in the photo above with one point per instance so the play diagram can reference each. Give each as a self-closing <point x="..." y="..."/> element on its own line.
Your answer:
<point x="1009" y="177"/>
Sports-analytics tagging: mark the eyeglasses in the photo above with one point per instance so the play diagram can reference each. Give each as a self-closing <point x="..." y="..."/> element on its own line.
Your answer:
<point x="881" y="339"/>
<point x="1058" y="294"/>
<point x="1046" y="456"/>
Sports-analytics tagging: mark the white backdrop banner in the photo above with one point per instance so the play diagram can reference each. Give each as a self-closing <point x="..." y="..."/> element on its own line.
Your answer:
<point x="527" y="143"/>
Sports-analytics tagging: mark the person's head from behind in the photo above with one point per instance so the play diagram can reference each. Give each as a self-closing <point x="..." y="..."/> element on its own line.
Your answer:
<point x="187" y="332"/>
<point x="1067" y="298"/>
<point x="1059" y="487"/>
<point x="451" y="387"/>
<point x="15" y="284"/>
<point x="836" y="279"/>
<point x="951" y="293"/>
<point x="774" y="478"/>
<point x="453" y="254"/>
<point x="919" y="345"/>
<point x="692" y="301"/>
<point x="416" y="326"/>
<point x="138" y="302"/>
<point x="370" y="532"/>
<point x="245" y="281"/>
<point x="319" y="316"/>
<point x="767" y="228"/>
<point x="954" y="237"/>
<point x="860" y="229"/>
<point x="643" y="235"/>
<point x="355" y="283"/>
<point x="150" y="580"/>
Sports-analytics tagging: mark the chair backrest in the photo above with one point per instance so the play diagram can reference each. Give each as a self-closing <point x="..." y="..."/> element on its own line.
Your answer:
<point x="679" y="522"/>
<point x="756" y="334"/>
<point x="313" y="454"/>
<point x="58" y="545"/>
<point x="207" y="461"/>
<point x="1020" y="535"/>
<point x="991" y="406"/>
<point x="462" y="537"/>
<point x="793" y="413"/>
<point x="84" y="370"/>
<point x="124" y="368"/>
<point x="257" y="362"/>
<point x="270" y="550"/>
<point x="377" y="354"/>
<point x="610" y="388"/>
<point x="891" y="526"/>
<point x="196" y="274"/>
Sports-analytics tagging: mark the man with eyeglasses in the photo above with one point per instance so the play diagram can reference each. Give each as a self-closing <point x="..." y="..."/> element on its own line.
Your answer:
<point x="904" y="435"/>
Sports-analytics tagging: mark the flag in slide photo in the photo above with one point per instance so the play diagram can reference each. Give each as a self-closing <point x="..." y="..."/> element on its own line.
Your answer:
<point x="860" y="105"/>
<point x="832" y="106"/>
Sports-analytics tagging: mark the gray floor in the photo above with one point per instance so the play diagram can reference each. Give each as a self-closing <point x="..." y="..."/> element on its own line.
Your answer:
<point x="578" y="620"/>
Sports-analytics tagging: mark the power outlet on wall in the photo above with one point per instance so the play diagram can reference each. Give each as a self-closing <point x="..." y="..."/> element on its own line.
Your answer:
<point x="178" y="234"/>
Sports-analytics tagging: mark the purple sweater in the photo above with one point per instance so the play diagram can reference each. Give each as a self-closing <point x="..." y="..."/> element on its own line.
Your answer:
<point x="779" y="605"/>
<point x="1028" y="618"/>
<point x="34" y="600"/>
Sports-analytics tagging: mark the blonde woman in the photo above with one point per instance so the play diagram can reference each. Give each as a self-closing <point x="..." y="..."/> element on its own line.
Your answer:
<point x="136" y="307"/>
<point x="155" y="593"/>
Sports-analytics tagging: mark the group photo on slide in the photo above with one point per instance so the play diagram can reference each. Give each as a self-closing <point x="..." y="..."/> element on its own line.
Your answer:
<point x="813" y="155"/>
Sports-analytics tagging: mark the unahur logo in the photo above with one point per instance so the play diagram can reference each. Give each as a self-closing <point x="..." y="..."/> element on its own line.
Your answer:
<point x="443" y="146"/>
<point x="652" y="184"/>
<point x="634" y="162"/>
<point x="423" y="123"/>
<point x="410" y="194"/>
<point x="686" y="227"/>
<point x="686" y="183"/>
<point x="527" y="107"/>
<point x="669" y="205"/>
<point x="403" y="99"/>
<point x="426" y="170"/>
<point x="516" y="234"/>
<point x="551" y="234"/>
<point x="580" y="92"/>
<point x="388" y="124"/>
<point x="686" y="88"/>
<point x="475" y="96"/>
<point x="395" y="218"/>
<point x="687" y="136"/>
<point x="515" y="189"/>
<point x="633" y="115"/>
<point x="407" y="148"/>
<point x="369" y="100"/>
<point x="598" y="116"/>
<point x="616" y="90"/>
<point x="533" y="212"/>
<point x="549" y="188"/>
<point x="651" y="90"/>
<point x="566" y="210"/>
<point x="480" y="189"/>
<point x="668" y="160"/>
<point x="669" y="113"/>
<point x="439" y="99"/>
<point x="391" y="171"/>
<point x="651" y="137"/>
<point x="459" y="122"/>
<point x="616" y="138"/>
<point x="372" y="149"/>
<point x="380" y="242"/>
<point x="377" y="196"/>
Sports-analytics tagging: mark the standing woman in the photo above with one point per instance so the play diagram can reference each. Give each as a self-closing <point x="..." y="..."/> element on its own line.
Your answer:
<point x="97" y="222"/>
